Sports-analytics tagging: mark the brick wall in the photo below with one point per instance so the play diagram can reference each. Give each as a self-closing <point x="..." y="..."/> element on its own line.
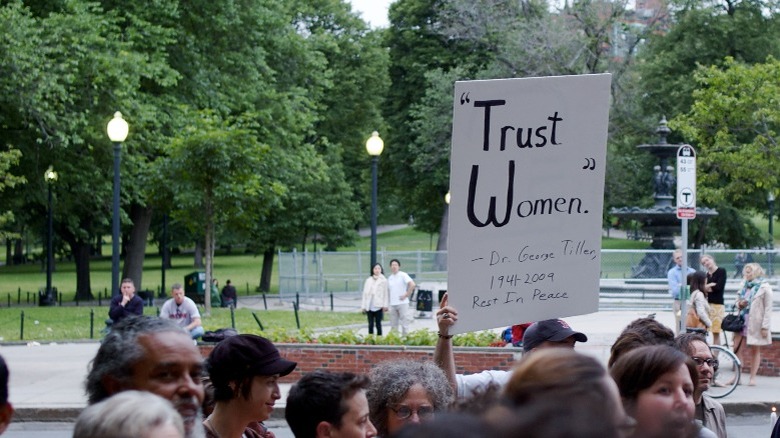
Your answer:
<point x="360" y="358"/>
<point x="770" y="357"/>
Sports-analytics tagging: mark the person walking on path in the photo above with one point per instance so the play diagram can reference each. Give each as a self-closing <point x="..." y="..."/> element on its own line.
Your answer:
<point x="183" y="311"/>
<point x="754" y="301"/>
<point x="400" y="286"/>
<point x="375" y="299"/>
<point x="716" y="284"/>
<point x="125" y="304"/>
<point x="675" y="279"/>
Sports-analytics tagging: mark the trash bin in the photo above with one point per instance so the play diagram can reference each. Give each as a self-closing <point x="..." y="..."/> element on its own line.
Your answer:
<point x="195" y="286"/>
<point x="441" y="294"/>
<point x="424" y="300"/>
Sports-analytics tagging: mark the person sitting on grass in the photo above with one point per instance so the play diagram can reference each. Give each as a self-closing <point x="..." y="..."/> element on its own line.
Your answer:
<point x="183" y="311"/>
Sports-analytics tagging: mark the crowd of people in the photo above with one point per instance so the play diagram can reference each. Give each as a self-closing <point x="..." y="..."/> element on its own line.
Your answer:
<point x="149" y="379"/>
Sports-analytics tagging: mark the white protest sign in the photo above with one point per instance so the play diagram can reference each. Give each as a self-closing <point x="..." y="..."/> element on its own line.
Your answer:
<point x="527" y="192"/>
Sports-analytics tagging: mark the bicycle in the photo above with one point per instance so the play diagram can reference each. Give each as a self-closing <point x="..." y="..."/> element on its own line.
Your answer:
<point x="726" y="376"/>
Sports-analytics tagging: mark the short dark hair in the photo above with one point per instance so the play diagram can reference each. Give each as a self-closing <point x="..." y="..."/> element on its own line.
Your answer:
<point x="640" y="368"/>
<point x="3" y="382"/>
<point x="320" y="396"/>
<point x="397" y="261"/>
<point x="684" y="342"/>
<point x="639" y="333"/>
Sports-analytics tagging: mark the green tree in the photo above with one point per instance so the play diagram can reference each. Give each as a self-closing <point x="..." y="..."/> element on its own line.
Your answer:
<point x="216" y="172"/>
<point x="8" y="159"/>
<point x="703" y="33"/>
<point x="734" y="123"/>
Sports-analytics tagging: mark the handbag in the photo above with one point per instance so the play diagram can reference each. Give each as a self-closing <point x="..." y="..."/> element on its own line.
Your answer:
<point x="692" y="319"/>
<point x="733" y="322"/>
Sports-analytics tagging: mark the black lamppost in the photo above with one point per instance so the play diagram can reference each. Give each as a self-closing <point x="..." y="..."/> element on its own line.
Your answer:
<point x="50" y="176"/>
<point x="374" y="147"/>
<point x="770" y="199"/>
<point x="117" y="132"/>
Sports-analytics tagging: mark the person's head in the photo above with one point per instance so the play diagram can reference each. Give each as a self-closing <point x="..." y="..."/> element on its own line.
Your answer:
<point x="751" y="271"/>
<point x="406" y="391"/>
<point x="153" y="355"/>
<point x="127" y="287"/>
<point x="130" y="414"/>
<point x="639" y="333"/>
<point x="325" y="404"/>
<point x="678" y="257"/>
<point x="697" y="281"/>
<point x="708" y="261"/>
<point x="246" y="369"/>
<point x="551" y="333"/>
<point x="177" y="292"/>
<point x="377" y="270"/>
<point x="657" y="384"/>
<point x="395" y="265"/>
<point x="696" y="347"/>
<point x="227" y="283"/>
<point x="6" y="410"/>
<point x="448" y="425"/>
<point x="560" y="376"/>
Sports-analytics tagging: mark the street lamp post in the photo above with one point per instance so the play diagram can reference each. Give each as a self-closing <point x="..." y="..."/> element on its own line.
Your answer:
<point x="374" y="147"/>
<point x="770" y="199"/>
<point x="50" y="176"/>
<point x="117" y="132"/>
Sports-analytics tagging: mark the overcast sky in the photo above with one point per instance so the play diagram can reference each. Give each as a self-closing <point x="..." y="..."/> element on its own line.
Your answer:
<point x="372" y="11"/>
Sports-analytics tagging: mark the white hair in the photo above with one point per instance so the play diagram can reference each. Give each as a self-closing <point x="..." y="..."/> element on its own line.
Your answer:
<point x="128" y="414"/>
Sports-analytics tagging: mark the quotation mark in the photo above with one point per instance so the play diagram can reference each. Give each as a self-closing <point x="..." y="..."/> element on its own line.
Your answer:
<point x="590" y="163"/>
<point x="464" y="98"/>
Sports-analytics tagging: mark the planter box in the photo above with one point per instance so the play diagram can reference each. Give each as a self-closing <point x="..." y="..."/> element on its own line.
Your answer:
<point x="360" y="358"/>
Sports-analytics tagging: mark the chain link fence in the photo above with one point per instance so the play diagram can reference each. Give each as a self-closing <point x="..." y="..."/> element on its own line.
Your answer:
<point x="315" y="275"/>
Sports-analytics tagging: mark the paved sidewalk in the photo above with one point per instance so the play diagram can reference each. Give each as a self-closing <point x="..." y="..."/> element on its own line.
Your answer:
<point x="47" y="380"/>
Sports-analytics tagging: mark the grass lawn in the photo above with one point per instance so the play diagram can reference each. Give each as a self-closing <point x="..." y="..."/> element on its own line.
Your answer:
<point x="19" y="282"/>
<point x="48" y="324"/>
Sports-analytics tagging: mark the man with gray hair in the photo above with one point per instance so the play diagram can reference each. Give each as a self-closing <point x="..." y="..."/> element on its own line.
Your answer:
<point x="183" y="311"/>
<point x="153" y="355"/>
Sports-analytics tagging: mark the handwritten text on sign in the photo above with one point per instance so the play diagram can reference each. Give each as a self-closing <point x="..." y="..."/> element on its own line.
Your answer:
<point x="527" y="184"/>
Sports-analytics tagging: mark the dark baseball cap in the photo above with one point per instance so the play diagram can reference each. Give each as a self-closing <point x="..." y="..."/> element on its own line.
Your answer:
<point x="248" y="355"/>
<point x="554" y="330"/>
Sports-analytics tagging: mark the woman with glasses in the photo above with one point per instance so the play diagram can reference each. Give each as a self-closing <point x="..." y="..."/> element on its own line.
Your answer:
<point x="406" y="391"/>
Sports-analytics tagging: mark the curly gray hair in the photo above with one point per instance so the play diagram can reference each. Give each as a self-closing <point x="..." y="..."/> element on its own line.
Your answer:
<point x="120" y="350"/>
<point x="391" y="380"/>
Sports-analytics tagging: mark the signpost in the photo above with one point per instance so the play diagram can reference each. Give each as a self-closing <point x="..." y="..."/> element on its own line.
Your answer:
<point x="686" y="209"/>
<point x="527" y="183"/>
<point x="686" y="182"/>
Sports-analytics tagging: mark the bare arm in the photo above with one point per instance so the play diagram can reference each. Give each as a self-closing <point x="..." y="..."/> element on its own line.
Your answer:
<point x="443" y="356"/>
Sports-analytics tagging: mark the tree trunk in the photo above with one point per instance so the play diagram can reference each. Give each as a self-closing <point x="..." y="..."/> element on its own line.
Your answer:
<point x="268" y="268"/>
<point x="210" y="240"/>
<point x="136" y="244"/>
<point x="8" y="252"/>
<point x="198" y="256"/>
<point x="18" y="257"/>
<point x="441" y="245"/>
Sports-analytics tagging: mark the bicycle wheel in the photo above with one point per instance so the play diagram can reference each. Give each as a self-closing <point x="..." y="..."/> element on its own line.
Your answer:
<point x="727" y="376"/>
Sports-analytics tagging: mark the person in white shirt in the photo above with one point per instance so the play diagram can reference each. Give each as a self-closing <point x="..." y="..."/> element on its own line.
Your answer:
<point x="183" y="311"/>
<point x="400" y="286"/>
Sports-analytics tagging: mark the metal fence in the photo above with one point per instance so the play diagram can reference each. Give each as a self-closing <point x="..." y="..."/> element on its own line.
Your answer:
<point x="314" y="275"/>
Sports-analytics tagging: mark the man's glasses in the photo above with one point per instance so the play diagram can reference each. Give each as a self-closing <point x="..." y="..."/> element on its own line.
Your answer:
<point x="701" y="361"/>
<point x="404" y="412"/>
